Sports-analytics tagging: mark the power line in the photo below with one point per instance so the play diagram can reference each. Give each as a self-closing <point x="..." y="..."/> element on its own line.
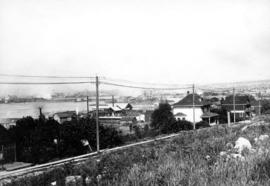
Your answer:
<point x="140" y="83"/>
<point x="45" y="83"/>
<point x="141" y="87"/>
<point x="53" y="77"/>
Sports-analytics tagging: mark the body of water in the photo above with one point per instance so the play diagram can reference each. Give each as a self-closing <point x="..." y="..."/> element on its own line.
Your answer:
<point x="19" y="110"/>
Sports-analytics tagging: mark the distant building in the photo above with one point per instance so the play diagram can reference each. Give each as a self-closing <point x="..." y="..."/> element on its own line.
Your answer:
<point x="8" y="122"/>
<point x="61" y="117"/>
<point x="148" y="115"/>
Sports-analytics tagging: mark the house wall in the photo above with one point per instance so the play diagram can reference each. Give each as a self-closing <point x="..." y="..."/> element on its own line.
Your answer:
<point x="180" y="117"/>
<point x="189" y="113"/>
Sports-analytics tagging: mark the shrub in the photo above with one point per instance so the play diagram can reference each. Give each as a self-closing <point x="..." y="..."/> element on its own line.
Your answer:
<point x="202" y="124"/>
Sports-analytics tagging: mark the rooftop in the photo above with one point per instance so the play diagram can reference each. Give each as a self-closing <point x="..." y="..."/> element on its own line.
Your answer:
<point x="188" y="101"/>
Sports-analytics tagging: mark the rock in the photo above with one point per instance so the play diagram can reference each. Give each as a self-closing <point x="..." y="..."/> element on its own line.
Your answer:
<point x="241" y="144"/>
<point x="207" y="157"/>
<point x="263" y="137"/>
<point x="223" y="153"/>
<point x="73" y="180"/>
<point x="260" y="139"/>
<point x="53" y="183"/>
<point x="256" y="140"/>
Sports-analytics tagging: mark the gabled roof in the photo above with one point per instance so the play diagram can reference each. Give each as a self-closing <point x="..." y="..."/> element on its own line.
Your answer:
<point x="241" y="102"/>
<point x="180" y="114"/>
<point x="65" y="114"/>
<point x="188" y="101"/>
<point x="239" y="99"/>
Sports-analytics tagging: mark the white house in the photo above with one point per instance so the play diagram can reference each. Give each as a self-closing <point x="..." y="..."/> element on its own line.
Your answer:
<point x="185" y="106"/>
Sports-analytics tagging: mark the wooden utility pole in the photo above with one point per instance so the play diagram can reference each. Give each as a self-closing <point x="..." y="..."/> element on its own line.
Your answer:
<point x="112" y="100"/>
<point x="97" y="112"/>
<point x="193" y="105"/>
<point x="87" y="106"/>
<point x="234" y="105"/>
<point x="15" y="152"/>
<point x="260" y="98"/>
<point x="229" y="118"/>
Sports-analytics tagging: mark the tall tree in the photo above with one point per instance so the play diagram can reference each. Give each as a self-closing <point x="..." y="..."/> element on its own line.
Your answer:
<point x="163" y="118"/>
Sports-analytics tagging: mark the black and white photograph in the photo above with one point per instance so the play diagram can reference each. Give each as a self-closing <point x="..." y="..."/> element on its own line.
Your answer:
<point x="134" y="92"/>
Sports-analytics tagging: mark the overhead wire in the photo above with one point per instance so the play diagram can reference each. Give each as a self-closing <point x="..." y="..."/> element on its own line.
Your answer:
<point x="53" y="77"/>
<point x="141" y="87"/>
<point x="141" y="83"/>
<point x="44" y="83"/>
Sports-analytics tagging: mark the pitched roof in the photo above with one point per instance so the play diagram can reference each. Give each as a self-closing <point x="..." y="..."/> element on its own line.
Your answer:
<point x="65" y="114"/>
<point x="241" y="102"/>
<point x="180" y="114"/>
<point x="188" y="101"/>
<point x="239" y="99"/>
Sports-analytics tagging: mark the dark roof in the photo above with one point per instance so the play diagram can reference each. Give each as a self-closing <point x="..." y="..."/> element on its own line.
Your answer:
<point x="239" y="99"/>
<point x="241" y="102"/>
<point x="65" y="114"/>
<point x="188" y="101"/>
<point x="209" y="115"/>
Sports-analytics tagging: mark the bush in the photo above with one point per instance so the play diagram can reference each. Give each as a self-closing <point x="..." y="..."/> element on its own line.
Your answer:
<point x="184" y="125"/>
<point x="202" y="124"/>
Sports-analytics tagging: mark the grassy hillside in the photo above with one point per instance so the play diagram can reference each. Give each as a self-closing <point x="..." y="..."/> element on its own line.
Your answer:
<point x="193" y="158"/>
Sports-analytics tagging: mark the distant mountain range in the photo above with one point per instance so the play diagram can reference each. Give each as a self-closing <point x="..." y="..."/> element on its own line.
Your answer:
<point x="240" y="84"/>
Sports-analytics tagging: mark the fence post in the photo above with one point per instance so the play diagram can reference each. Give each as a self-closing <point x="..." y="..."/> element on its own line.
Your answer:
<point x="229" y="119"/>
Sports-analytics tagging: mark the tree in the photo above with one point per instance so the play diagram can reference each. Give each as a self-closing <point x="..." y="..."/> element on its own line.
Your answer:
<point x="265" y="106"/>
<point x="202" y="124"/>
<point x="5" y="137"/>
<point x="184" y="125"/>
<point x="41" y="140"/>
<point x="163" y="118"/>
<point x="35" y="139"/>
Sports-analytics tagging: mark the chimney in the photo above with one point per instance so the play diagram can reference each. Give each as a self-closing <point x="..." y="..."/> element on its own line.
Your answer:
<point x="40" y="111"/>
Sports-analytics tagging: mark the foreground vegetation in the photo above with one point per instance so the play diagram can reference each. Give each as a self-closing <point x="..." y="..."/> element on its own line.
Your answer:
<point x="42" y="140"/>
<point x="192" y="158"/>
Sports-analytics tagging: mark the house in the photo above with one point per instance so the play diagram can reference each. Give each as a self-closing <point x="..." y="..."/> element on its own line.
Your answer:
<point x="8" y="122"/>
<point x="242" y="107"/>
<point x="185" y="106"/>
<point x="148" y="115"/>
<point x="132" y="116"/>
<point x="61" y="117"/>
<point x="256" y="107"/>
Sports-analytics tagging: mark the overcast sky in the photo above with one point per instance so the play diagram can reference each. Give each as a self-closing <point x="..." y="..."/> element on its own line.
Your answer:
<point x="172" y="41"/>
